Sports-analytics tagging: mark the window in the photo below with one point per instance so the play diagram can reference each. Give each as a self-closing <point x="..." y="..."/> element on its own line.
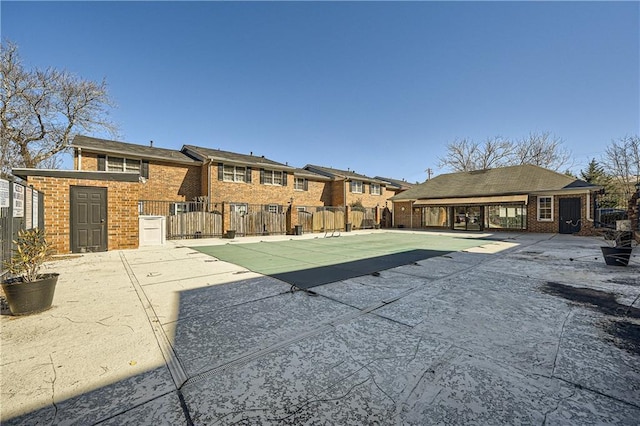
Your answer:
<point x="177" y="208"/>
<point x="273" y="208"/>
<point x="356" y="186"/>
<point x="272" y="177"/>
<point x="300" y="184"/>
<point x="545" y="209"/>
<point x="131" y="165"/>
<point x="301" y="209"/>
<point x="507" y="216"/>
<point x="115" y="164"/>
<point x="119" y="164"/>
<point x="238" y="208"/>
<point x="233" y="173"/>
<point x="375" y="189"/>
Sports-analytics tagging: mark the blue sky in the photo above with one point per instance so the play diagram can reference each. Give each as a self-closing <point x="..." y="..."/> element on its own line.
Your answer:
<point x="376" y="87"/>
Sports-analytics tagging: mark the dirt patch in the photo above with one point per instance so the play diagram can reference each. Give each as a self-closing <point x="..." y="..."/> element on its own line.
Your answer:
<point x="600" y="301"/>
<point x="626" y="335"/>
<point x="623" y="334"/>
<point x="625" y="281"/>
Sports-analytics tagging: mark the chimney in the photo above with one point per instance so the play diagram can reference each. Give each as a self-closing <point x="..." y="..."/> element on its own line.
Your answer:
<point x="151" y="144"/>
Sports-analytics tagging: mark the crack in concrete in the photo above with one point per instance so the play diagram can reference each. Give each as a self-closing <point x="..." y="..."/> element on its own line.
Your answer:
<point x="313" y="401"/>
<point x="560" y="401"/>
<point x="94" y="322"/>
<point x="53" y="390"/>
<point x="555" y="358"/>
<point x="579" y="386"/>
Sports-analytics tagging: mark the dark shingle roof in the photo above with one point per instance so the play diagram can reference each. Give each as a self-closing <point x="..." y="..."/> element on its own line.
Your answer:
<point x="308" y="174"/>
<point x="104" y="146"/>
<point x="396" y="183"/>
<point x="523" y="179"/>
<point x="341" y="174"/>
<point x="233" y="157"/>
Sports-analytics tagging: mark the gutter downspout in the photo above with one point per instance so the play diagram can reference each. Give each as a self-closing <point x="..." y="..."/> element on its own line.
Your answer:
<point x="79" y="158"/>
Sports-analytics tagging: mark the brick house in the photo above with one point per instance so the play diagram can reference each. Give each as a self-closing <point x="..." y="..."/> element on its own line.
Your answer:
<point x="517" y="198"/>
<point x="198" y="191"/>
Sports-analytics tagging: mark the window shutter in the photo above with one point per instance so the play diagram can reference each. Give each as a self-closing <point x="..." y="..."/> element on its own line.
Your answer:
<point x="102" y="163"/>
<point x="306" y="185"/>
<point x="350" y="186"/>
<point x="248" y="175"/>
<point x="262" y="176"/>
<point x="284" y="178"/>
<point x="220" y="171"/>
<point x="144" y="170"/>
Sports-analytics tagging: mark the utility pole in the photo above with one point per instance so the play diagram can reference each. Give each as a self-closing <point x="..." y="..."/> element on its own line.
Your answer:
<point x="429" y="171"/>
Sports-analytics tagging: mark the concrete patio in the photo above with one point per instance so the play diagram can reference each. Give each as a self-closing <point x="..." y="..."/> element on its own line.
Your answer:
<point x="521" y="328"/>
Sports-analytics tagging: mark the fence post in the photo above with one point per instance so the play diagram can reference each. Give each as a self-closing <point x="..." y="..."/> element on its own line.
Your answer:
<point x="226" y="217"/>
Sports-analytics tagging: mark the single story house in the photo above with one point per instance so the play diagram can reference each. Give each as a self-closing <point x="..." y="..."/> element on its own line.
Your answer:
<point x="516" y="198"/>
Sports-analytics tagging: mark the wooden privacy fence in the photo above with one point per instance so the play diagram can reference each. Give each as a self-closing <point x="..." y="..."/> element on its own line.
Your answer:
<point x="321" y="219"/>
<point x="194" y="225"/>
<point x="250" y="219"/>
<point x="362" y="218"/>
<point x="184" y="220"/>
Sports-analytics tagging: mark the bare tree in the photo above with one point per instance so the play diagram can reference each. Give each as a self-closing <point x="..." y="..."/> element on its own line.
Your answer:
<point x="465" y="155"/>
<point x="42" y="110"/>
<point x="493" y="153"/>
<point x="541" y="149"/>
<point x="460" y="155"/>
<point x="622" y="161"/>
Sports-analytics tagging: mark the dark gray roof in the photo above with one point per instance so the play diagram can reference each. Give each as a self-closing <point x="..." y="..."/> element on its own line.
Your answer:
<point x="233" y="157"/>
<point x="78" y="174"/>
<point x="525" y="179"/>
<point x="104" y="146"/>
<point x="396" y="183"/>
<point x="308" y="174"/>
<point x="342" y="174"/>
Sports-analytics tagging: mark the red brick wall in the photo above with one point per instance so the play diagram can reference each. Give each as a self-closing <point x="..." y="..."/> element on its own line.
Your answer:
<point x="257" y="193"/>
<point x="122" y="211"/>
<point x="533" y="225"/>
<point x="171" y="182"/>
<point x="404" y="217"/>
<point x="167" y="181"/>
<point x="366" y="198"/>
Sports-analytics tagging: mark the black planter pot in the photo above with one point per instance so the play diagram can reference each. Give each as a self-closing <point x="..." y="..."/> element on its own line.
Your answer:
<point x="616" y="256"/>
<point x="26" y="298"/>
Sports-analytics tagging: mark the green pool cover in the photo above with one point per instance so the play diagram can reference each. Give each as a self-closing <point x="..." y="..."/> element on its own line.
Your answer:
<point x="306" y="263"/>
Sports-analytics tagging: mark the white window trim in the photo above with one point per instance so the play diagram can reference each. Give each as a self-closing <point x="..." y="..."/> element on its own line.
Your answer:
<point x="269" y="175"/>
<point x="237" y="176"/>
<point x="295" y="183"/>
<point x="124" y="164"/>
<point x="538" y="208"/>
<point x="241" y="208"/>
<point x="378" y="188"/>
<point x="353" y="189"/>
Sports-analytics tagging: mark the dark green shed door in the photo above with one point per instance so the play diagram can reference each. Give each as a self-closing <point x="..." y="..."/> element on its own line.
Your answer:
<point x="88" y="219"/>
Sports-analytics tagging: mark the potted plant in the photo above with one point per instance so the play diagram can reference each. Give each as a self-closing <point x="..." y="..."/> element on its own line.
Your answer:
<point x="618" y="252"/>
<point x="27" y="290"/>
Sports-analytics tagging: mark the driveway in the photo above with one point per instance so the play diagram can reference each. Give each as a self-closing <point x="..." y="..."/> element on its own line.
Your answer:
<point x="517" y="328"/>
